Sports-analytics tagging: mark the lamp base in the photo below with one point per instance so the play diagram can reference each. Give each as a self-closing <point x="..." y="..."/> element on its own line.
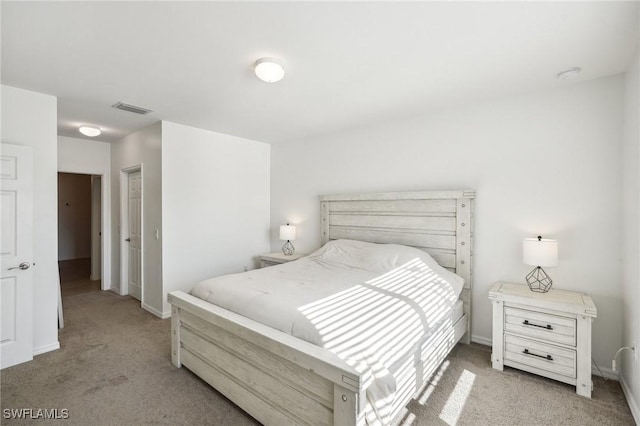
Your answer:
<point x="539" y="281"/>
<point x="288" y="249"/>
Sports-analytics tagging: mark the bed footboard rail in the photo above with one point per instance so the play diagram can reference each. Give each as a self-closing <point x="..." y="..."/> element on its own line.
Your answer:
<point x="275" y="377"/>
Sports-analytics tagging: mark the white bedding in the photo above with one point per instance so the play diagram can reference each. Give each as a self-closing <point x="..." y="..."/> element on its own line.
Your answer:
<point x="370" y="304"/>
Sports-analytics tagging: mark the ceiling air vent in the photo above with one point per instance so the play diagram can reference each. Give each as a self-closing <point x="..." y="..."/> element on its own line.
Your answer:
<point x="131" y="108"/>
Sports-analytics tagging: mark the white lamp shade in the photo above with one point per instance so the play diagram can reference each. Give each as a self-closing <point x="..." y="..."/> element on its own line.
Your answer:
<point x="287" y="232"/>
<point x="541" y="252"/>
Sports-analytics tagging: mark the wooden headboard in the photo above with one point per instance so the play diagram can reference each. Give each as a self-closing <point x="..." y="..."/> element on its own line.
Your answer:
<point x="438" y="222"/>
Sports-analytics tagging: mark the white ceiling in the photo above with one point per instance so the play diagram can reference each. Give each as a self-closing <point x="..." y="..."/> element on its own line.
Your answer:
<point x="348" y="64"/>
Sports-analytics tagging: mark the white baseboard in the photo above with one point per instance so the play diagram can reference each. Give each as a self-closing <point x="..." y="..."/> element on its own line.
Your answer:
<point x="606" y="372"/>
<point x="46" y="348"/>
<point x="116" y="290"/>
<point x="154" y="311"/>
<point x="631" y="400"/>
<point x="481" y="340"/>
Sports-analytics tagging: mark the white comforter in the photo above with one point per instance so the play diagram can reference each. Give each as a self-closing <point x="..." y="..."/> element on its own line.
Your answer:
<point x="367" y="303"/>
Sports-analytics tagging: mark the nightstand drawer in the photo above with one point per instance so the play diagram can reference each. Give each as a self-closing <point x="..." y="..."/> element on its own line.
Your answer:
<point x="552" y="328"/>
<point x="265" y="263"/>
<point x="540" y="356"/>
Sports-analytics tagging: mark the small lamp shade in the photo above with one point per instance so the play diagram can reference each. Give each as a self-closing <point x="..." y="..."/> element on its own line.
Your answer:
<point x="287" y="232"/>
<point x="540" y="252"/>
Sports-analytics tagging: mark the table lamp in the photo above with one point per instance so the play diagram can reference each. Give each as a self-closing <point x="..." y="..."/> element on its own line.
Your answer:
<point x="539" y="252"/>
<point x="288" y="232"/>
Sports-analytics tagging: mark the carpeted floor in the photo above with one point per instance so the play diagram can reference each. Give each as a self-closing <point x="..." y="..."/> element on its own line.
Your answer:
<point x="74" y="277"/>
<point x="114" y="368"/>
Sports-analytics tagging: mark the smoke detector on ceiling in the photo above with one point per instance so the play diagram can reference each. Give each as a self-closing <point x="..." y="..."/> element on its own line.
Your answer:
<point x="131" y="108"/>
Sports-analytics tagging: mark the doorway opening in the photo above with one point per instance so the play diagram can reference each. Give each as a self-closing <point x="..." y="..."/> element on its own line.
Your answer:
<point x="79" y="233"/>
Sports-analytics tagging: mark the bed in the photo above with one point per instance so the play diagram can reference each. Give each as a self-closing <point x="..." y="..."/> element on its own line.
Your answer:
<point x="279" y="378"/>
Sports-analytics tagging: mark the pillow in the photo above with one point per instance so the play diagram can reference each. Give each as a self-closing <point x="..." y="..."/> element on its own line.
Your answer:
<point x="381" y="258"/>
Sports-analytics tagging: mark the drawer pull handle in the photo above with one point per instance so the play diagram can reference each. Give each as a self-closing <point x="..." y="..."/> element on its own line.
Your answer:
<point x="547" y="357"/>
<point x="546" y="327"/>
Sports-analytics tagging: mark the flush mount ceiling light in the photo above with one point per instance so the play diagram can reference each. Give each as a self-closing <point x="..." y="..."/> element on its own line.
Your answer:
<point x="269" y="70"/>
<point x="570" y="73"/>
<point x="89" y="131"/>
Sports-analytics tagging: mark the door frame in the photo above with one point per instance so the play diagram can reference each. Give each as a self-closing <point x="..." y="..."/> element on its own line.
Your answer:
<point x="105" y="227"/>
<point x="96" y="240"/>
<point x="124" y="230"/>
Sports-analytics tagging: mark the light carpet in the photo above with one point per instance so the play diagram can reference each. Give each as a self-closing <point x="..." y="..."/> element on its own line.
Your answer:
<point x="114" y="368"/>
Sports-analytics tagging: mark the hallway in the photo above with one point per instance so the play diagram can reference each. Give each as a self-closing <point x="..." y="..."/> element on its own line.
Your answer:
<point x="74" y="277"/>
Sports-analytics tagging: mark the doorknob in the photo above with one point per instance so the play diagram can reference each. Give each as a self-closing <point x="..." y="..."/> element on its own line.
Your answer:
<point x="23" y="266"/>
<point x="128" y="240"/>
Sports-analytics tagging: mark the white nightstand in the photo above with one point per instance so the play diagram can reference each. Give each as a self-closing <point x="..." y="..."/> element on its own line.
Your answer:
<point x="543" y="333"/>
<point x="277" y="258"/>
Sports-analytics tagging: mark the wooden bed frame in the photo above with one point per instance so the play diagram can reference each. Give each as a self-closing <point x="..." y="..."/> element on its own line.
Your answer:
<point x="279" y="379"/>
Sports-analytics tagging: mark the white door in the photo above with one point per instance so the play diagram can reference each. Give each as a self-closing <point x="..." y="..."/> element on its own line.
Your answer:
<point x="135" y="234"/>
<point x="16" y="285"/>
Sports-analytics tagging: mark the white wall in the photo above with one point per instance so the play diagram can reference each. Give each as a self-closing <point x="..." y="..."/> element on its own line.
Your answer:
<point x="142" y="148"/>
<point x="92" y="157"/>
<point x="83" y="156"/>
<point x="215" y="205"/>
<point x="30" y="118"/>
<point x="74" y="216"/>
<point x="630" y="371"/>
<point x="546" y="163"/>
